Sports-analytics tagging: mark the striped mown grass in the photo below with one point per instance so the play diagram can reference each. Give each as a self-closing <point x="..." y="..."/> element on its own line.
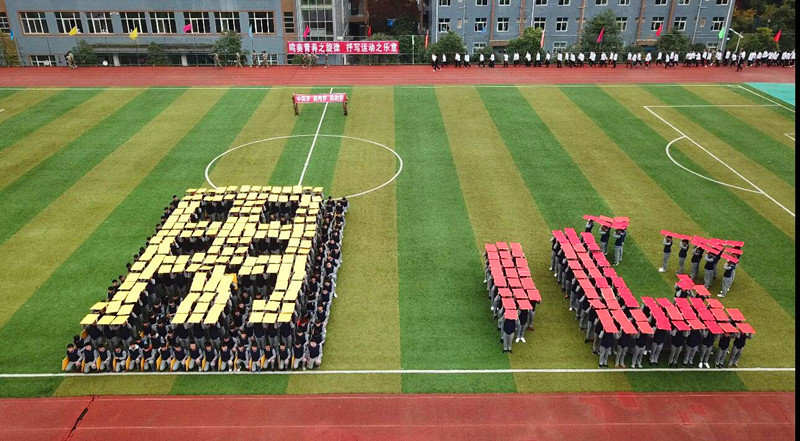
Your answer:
<point x="14" y="102"/>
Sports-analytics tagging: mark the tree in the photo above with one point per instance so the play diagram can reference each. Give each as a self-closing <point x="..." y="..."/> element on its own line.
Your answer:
<point x="527" y="42"/>
<point x="8" y="51"/>
<point x="448" y="44"/>
<point x="673" y="41"/>
<point x="84" y="54"/>
<point x="227" y="45"/>
<point x="612" y="40"/>
<point x="156" y="56"/>
<point x="760" y="40"/>
<point x="743" y="20"/>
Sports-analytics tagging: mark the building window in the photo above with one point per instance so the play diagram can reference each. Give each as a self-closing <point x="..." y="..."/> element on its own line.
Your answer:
<point x="661" y="2"/>
<point x="99" y="22"/>
<point x="67" y="21"/>
<point x="684" y="2"/>
<point x="539" y="22"/>
<point x="502" y="24"/>
<point x="444" y="24"/>
<point x="722" y="2"/>
<point x="444" y="2"/>
<point x="702" y="22"/>
<point x="563" y="2"/>
<point x="624" y="2"/>
<point x="33" y="23"/>
<point x="43" y="60"/>
<point x="272" y="59"/>
<point x="229" y="21"/>
<point x="559" y="45"/>
<point x="716" y="23"/>
<point x="133" y="20"/>
<point x="199" y="21"/>
<point x="458" y="23"/>
<point x="318" y="16"/>
<point x="601" y="2"/>
<point x="288" y="22"/>
<point x="540" y="2"/>
<point x="656" y="23"/>
<point x="163" y="22"/>
<point x="561" y="24"/>
<point x="480" y="24"/>
<point x="4" y="27"/>
<point x="680" y="24"/>
<point x="504" y="2"/>
<point x="622" y="23"/>
<point x="478" y="46"/>
<point x="481" y="2"/>
<point x="262" y="22"/>
<point x="712" y="45"/>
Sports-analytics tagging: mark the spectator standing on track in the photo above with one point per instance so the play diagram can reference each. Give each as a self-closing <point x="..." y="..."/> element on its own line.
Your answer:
<point x="266" y="64"/>
<point x="70" y="60"/>
<point x="253" y="58"/>
<point x="216" y="61"/>
<point x="667" y="242"/>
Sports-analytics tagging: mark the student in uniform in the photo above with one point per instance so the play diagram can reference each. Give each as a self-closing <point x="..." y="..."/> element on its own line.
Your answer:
<point x="103" y="358"/>
<point x="606" y="344"/>
<point x="603" y="58"/>
<point x="538" y="59"/>
<point x="89" y="358"/>
<point x="522" y="324"/>
<point x="466" y="59"/>
<point x="727" y="278"/>
<point x="269" y="357"/>
<point x="527" y="59"/>
<point x="639" y="348"/>
<point x="697" y="256"/>
<point x="722" y="350"/>
<point x="516" y="59"/>
<point x="240" y="357"/>
<point x="508" y="326"/>
<point x="314" y="355"/>
<point x="254" y="358"/>
<point x="298" y="356"/>
<point x="547" y="59"/>
<point x="589" y="226"/>
<point x="457" y="57"/>
<point x="706" y="349"/>
<point x="604" y="233"/>
<point x="667" y="251"/>
<point x="738" y="346"/>
<point x="559" y="59"/>
<point x="692" y="346"/>
<point x="434" y="62"/>
<point x="647" y="59"/>
<point x="491" y="60"/>
<point x="195" y="359"/>
<point x="676" y="346"/>
<point x="682" y="253"/>
<point x="623" y="343"/>
<point x="283" y="354"/>
<point x="481" y="60"/>
<point x="708" y="274"/>
<point x="225" y="357"/>
<point x="216" y="61"/>
<point x="180" y="359"/>
<point x="120" y="357"/>
<point x="73" y="359"/>
<point x="209" y="358"/>
<point x="581" y="57"/>
<point x="619" y="236"/>
<point x="444" y="60"/>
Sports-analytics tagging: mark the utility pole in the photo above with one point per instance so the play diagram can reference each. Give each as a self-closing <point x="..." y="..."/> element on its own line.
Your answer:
<point x="697" y="19"/>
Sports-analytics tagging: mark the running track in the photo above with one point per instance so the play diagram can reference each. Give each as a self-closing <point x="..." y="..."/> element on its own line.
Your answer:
<point x="374" y="75"/>
<point x="595" y="417"/>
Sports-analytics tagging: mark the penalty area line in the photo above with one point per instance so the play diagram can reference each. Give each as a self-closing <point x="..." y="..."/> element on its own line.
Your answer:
<point x="409" y="372"/>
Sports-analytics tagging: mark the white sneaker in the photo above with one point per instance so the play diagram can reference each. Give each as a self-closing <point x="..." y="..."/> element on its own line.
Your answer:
<point x="662" y="270"/>
<point x="700" y="365"/>
<point x="551" y="268"/>
<point x="523" y="339"/>
<point x="516" y="341"/>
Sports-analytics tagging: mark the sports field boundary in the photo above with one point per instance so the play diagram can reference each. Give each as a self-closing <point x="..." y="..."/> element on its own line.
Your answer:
<point x="408" y="372"/>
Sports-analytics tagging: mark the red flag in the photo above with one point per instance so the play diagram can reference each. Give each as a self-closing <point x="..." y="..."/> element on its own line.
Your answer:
<point x="778" y="36"/>
<point x="600" y="37"/>
<point x="541" y="41"/>
<point x="306" y="31"/>
<point x="660" y="28"/>
<point x="187" y="28"/>
<point x="426" y="39"/>
<point x="369" y="31"/>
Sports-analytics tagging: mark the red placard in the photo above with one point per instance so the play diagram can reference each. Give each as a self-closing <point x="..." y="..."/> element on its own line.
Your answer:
<point x="349" y="47"/>
<point x="309" y="98"/>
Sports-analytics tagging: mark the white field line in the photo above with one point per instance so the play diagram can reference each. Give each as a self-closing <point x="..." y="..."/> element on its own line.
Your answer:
<point x="408" y="86"/>
<point x="790" y="136"/>
<point x="314" y="142"/>
<point x="669" y="155"/>
<point x="720" y="160"/>
<point x="766" y="98"/>
<point x="409" y="372"/>
<point x="714" y="105"/>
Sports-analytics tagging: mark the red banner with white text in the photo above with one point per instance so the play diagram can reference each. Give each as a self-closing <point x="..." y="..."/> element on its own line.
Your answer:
<point x="302" y="98"/>
<point x="344" y="47"/>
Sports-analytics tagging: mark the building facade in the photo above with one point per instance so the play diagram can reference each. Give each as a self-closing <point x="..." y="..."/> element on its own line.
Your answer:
<point x="492" y="23"/>
<point x="41" y="27"/>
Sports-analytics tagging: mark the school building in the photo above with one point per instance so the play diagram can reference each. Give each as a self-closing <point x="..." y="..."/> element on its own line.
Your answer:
<point x="41" y="27"/>
<point x="493" y="23"/>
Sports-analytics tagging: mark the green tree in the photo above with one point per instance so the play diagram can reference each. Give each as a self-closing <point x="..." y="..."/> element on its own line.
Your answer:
<point x="227" y="45"/>
<point x="673" y="41"/>
<point x="760" y="40"/>
<point x="527" y="42"/>
<point x="8" y="50"/>
<point x="743" y="20"/>
<point x="84" y="54"/>
<point x="612" y="39"/>
<point x="448" y="44"/>
<point x="156" y="56"/>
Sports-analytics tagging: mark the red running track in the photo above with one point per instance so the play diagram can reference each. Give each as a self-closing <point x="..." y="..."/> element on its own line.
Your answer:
<point x="596" y="417"/>
<point x="374" y="75"/>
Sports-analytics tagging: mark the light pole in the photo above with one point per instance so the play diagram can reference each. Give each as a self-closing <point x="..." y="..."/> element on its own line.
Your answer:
<point x="737" y="41"/>
<point x="697" y="19"/>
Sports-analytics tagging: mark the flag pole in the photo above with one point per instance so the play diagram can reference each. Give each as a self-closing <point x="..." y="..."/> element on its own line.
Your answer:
<point x="412" y="49"/>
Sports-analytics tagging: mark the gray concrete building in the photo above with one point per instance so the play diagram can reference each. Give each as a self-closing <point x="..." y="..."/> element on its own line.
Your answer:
<point x="492" y="23"/>
<point x="41" y="27"/>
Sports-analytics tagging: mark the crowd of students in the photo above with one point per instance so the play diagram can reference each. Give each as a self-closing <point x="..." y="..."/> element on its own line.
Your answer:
<point x="150" y="342"/>
<point x="571" y="59"/>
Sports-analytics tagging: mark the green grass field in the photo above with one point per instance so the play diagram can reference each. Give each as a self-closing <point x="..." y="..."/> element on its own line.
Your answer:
<point x="84" y="175"/>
